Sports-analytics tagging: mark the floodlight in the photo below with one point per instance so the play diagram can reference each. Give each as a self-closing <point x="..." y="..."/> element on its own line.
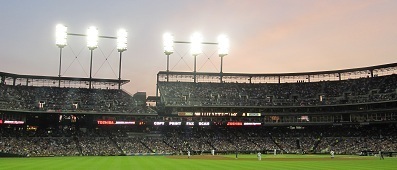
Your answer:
<point x="61" y="35"/>
<point x="122" y="40"/>
<point x="168" y="42"/>
<point x="92" y="38"/>
<point x="196" y="44"/>
<point x="223" y="45"/>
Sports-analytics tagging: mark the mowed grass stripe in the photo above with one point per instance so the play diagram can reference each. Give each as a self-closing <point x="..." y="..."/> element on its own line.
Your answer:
<point x="148" y="162"/>
<point x="25" y="163"/>
<point x="106" y="162"/>
<point x="185" y="163"/>
<point x="161" y="162"/>
<point x="7" y="163"/>
<point x="371" y="164"/>
<point x="215" y="165"/>
<point x="59" y="163"/>
<point x="89" y="162"/>
<point x="211" y="164"/>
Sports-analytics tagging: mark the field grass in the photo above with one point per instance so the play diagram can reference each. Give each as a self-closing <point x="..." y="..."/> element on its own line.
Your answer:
<point x="200" y="162"/>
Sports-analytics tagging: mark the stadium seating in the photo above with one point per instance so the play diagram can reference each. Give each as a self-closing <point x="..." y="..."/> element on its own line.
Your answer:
<point x="54" y="99"/>
<point x="352" y="139"/>
<point x="362" y="90"/>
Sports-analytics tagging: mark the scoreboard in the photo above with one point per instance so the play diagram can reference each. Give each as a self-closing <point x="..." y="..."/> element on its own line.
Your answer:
<point x="179" y="123"/>
<point x="218" y="114"/>
<point x="193" y="119"/>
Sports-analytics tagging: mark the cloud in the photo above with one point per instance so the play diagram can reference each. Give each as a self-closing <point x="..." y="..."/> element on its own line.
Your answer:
<point x="293" y="41"/>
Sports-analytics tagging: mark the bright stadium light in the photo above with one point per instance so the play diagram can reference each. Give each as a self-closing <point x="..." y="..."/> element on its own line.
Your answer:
<point x="92" y="38"/>
<point x="92" y="44"/>
<point x="121" y="46"/>
<point x="223" y="45"/>
<point x="121" y="40"/>
<point x="196" y="41"/>
<point x="223" y="50"/>
<point x="61" y="35"/>
<point x="168" y="42"/>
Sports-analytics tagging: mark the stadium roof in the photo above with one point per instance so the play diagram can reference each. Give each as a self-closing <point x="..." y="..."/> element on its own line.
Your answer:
<point x="289" y="74"/>
<point x="55" y="78"/>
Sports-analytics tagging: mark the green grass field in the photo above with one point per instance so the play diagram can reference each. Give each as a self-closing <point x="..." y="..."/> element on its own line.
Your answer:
<point x="200" y="162"/>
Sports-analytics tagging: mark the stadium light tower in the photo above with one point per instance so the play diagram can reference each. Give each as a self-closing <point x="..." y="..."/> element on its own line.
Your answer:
<point x="168" y="42"/>
<point x="196" y="41"/>
<point x="121" y="47"/>
<point x="92" y="44"/>
<point x="223" y="50"/>
<point x="61" y="41"/>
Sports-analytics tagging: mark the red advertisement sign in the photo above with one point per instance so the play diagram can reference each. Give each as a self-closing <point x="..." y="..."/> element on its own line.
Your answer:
<point x="106" y="122"/>
<point x="234" y="123"/>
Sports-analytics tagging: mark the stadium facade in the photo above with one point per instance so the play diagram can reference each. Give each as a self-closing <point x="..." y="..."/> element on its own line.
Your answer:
<point x="350" y="111"/>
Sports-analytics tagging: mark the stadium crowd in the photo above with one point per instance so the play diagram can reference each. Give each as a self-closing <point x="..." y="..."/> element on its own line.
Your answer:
<point x="361" y="90"/>
<point x="177" y="140"/>
<point x="54" y="99"/>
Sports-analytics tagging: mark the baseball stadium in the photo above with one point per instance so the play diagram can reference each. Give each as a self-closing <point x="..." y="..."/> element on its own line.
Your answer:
<point x="294" y="120"/>
<point x="301" y="85"/>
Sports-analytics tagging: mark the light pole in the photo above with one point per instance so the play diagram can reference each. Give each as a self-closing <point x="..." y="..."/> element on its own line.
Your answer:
<point x="196" y="40"/>
<point x="168" y="42"/>
<point x="223" y="50"/>
<point x="61" y="41"/>
<point x="92" y="44"/>
<point x="121" y="46"/>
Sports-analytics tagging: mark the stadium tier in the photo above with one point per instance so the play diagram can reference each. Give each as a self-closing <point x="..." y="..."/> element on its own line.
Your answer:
<point x="353" y="86"/>
<point x="199" y="140"/>
<point x="351" y="111"/>
<point x="361" y="90"/>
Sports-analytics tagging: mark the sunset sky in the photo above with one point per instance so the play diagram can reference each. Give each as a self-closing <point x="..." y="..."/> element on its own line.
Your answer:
<point x="266" y="36"/>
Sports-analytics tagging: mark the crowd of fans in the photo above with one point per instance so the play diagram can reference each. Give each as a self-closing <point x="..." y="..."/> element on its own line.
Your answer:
<point x="55" y="99"/>
<point x="39" y="146"/>
<point x="382" y="88"/>
<point x="199" y="140"/>
<point x="98" y="146"/>
<point x="132" y="145"/>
